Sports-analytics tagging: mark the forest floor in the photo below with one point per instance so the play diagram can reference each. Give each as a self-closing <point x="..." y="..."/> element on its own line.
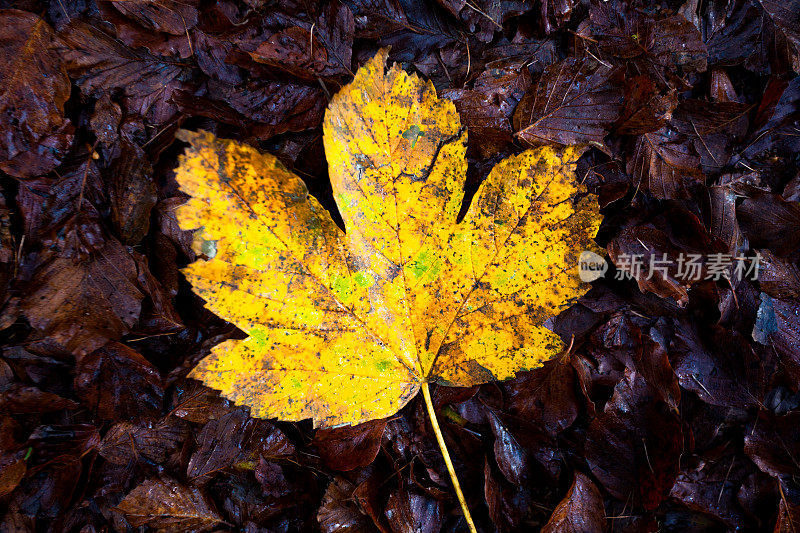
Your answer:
<point x="677" y="406"/>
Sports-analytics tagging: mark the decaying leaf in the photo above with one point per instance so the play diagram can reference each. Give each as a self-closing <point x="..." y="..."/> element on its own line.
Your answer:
<point x="574" y="102"/>
<point x="35" y="87"/>
<point x="117" y="381"/>
<point x="166" y="506"/>
<point x="168" y="16"/>
<point x="643" y="431"/>
<point x="409" y="510"/>
<point x="124" y="442"/>
<point x="346" y="326"/>
<point x="580" y="510"/>
<point x="339" y="512"/>
<point x="322" y="50"/>
<point x="235" y="440"/>
<point x="487" y="108"/>
<point x="345" y="448"/>
<point x="102" y="63"/>
<point x="88" y="277"/>
<point x="665" y="163"/>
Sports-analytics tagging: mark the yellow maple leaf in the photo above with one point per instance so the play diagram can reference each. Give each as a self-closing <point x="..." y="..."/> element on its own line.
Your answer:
<point x="347" y="326"/>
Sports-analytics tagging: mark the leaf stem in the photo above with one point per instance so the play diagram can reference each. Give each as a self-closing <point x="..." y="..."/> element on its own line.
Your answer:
<point x="426" y="393"/>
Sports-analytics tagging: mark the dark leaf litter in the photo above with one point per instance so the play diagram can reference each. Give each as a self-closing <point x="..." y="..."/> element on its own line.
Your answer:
<point x="677" y="407"/>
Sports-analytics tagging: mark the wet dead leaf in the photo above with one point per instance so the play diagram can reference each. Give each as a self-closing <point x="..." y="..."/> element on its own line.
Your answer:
<point x="411" y="510"/>
<point x="487" y="108"/>
<point x="575" y="101"/>
<point x="167" y="506"/>
<point x="169" y="16"/>
<point x="101" y="64"/>
<point x="339" y="511"/>
<point x="348" y="447"/>
<point x="35" y="87"/>
<point x="85" y="292"/>
<point x="116" y="382"/>
<point x="581" y="510"/>
<point x="12" y="470"/>
<point x="124" y="443"/>
<point x="634" y="446"/>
